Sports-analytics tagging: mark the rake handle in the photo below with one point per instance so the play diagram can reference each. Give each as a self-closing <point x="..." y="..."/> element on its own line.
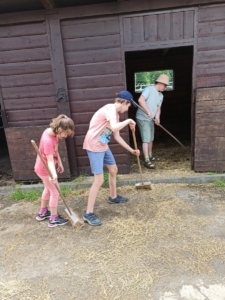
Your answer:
<point x="49" y="172"/>
<point x="138" y="160"/>
<point x="161" y="126"/>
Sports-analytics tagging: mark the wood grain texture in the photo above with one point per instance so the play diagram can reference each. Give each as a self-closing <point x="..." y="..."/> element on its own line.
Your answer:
<point x="23" y="156"/>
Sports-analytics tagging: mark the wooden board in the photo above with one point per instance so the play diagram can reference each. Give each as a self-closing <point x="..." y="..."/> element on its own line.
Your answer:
<point x="210" y="135"/>
<point x="23" y="155"/>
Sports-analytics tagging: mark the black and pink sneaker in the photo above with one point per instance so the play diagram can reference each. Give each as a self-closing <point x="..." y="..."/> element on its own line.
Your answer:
<point x="42" y="217"/>
<point x="59" y="221"/>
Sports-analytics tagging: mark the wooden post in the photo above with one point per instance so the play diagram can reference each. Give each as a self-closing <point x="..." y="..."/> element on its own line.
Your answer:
<point x="60" y="82"/>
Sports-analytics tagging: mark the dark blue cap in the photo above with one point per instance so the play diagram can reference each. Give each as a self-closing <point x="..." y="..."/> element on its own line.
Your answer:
<point x="127" y="96"/>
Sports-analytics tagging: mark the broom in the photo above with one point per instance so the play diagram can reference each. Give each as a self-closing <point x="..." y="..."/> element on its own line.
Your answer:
<point x="73" y="218"/>
<point x="144" y="185"/>
<point x="160" y="126"/>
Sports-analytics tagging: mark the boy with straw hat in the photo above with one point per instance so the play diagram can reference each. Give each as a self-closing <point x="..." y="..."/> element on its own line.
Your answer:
<point x="151" y="100"/>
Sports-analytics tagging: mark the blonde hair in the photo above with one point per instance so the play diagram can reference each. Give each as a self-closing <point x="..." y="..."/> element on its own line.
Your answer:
<point x="63" y="122"/>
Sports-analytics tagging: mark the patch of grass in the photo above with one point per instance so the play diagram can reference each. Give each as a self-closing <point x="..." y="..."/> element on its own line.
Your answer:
<point x="65" y="190"/>
<point x="106" y="179"/>
<point x="78" y="192"/>
<point x="80" y="178"/>
<point x="210" y="173"/>
<point x="29" y="196"/>
<point x="219" y="183"/>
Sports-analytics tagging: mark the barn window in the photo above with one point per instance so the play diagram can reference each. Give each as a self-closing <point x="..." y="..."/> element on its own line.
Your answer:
<point x="144" y="79"/>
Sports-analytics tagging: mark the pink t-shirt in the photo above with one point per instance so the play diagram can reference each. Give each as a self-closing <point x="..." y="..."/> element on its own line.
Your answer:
<point x="99" y="132"/>
<point x="48" y="145"/>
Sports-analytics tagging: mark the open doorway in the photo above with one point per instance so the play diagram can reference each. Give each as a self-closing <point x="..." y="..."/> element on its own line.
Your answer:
<point x="5" y="164"/>
<point x="176" y="112"/>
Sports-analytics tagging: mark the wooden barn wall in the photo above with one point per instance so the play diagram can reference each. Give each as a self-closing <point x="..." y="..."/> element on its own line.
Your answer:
<point x="94" y="75"/>
<point x="23" y="155"/>
<point x="26" y="75"/>
<point x="155" y="29"/>
<point x="210" y="99"/>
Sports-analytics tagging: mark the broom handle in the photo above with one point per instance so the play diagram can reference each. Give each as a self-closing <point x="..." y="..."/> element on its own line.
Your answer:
<point x="138" y="160"/>
<point x="161" y="126"/>
<point x="49" y="172"/>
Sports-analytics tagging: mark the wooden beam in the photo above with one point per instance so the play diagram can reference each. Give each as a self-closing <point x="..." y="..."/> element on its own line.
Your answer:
<point x="48" y="4"/>
<point x="60" y="82"/>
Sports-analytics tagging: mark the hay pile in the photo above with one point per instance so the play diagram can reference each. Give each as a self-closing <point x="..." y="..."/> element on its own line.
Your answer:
<point x="156" y="234"/>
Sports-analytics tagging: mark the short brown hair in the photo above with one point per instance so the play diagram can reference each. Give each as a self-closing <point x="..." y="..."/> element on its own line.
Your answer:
<point x="120" y="100"/>
<point x="63" y="122"/>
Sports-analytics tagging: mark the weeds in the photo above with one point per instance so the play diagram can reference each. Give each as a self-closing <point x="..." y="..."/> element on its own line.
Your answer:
<point x="219" y="183"/>
<point x="29" y="196"/>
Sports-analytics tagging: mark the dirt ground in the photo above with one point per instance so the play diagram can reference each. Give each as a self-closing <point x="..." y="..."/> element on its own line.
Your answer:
<point x="163" y="244"/>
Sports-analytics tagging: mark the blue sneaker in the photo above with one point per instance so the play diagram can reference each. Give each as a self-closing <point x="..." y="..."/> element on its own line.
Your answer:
<point x="91" y="219"/>
<point x="118" y="199"/>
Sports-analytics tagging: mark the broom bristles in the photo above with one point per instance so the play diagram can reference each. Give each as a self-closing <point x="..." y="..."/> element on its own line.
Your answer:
<point x="145" y="185"/>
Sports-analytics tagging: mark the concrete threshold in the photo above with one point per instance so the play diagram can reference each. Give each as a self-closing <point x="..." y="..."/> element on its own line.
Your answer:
<point x="86" y="183"/>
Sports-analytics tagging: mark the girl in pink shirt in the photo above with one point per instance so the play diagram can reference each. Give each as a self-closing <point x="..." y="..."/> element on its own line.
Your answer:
<point x="60" y="127"/>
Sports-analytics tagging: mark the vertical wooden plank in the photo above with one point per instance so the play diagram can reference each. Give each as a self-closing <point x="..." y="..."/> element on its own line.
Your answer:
<point x="126" y="31"/>
<point x="150" y="28"/>
<point x="3" y="112"/>
<point x="59" y="76"/>
<point x="164" y="27"/>
<point x="177" y="25"/>
<point x="194" y="91"/>
<point x="189" y="24"/>
<point x="137" y="30"/>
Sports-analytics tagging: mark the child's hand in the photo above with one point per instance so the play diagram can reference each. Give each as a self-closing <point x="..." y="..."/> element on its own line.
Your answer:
<point x="132" y="124"/>
<point x="54" y="179"/>
<point x="136" y="152"/>
<point x="60" y="168"/>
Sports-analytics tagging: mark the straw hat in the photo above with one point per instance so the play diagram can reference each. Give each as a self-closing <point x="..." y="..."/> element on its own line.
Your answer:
<point x="163" y="78"/>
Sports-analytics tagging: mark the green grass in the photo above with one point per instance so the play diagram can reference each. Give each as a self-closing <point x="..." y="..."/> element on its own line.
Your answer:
<point x="80" y="178"/>
<point x="210" y="173"/>
<point x="106" y="179"/>
<point x="219" y="183"/>
<point x="29" y="196"/>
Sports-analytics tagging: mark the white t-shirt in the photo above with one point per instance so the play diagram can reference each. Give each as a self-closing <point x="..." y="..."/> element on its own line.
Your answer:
<point x="153" y="99"/>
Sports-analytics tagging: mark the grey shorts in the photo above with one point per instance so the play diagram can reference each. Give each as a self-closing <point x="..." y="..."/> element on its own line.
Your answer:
<point x="147" y="130"/>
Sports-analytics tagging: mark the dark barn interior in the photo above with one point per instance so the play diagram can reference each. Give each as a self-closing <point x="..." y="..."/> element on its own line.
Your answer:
<point x="176" y="108"/>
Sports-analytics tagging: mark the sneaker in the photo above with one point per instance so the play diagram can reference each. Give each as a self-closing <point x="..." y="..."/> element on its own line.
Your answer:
<point x="118" y="199"/>
<point x="59" y="221"/>
<point x="151" y="158"/>
<point x="41" y="217"/>
<point x="149" y="165"/>
<point x="91" y="219"/>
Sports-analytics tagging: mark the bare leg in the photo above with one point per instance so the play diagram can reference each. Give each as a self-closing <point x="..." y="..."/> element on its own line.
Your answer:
<point x="112" y="180"/>
<point x="98" y="181"/>
<point x="145" y="149"/>
<point x="150" y="145"/>
<point x="44" y="203"/>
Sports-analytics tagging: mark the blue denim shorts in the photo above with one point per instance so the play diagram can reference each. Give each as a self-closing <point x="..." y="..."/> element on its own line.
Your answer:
<point x="100" y="159"/>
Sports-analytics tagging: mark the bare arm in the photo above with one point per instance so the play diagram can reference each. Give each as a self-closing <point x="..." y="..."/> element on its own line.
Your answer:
<point x="60" y="168"/>
<point x="157" y="115"/>
<point x="117" y="126"/>
<point x="122" y="143"/>
<point x="142" y="102"/>
<point x="51" y="165"/>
